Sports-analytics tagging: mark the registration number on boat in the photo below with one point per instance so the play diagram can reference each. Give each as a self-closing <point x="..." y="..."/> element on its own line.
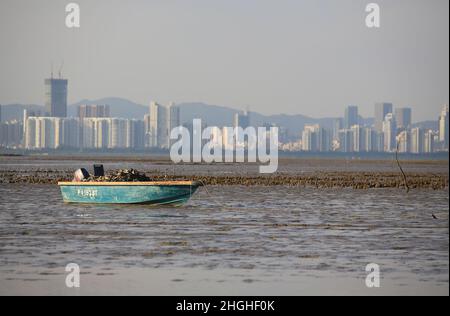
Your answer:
<point x="89" y="193"/>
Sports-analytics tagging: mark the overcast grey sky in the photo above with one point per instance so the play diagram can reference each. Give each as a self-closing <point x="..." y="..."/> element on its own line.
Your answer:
<point x="309" y="57"/>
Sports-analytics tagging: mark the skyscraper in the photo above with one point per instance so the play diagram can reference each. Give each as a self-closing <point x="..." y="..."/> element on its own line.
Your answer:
<point x="324" y="140"/>
<point x="135" y="134"/>
<point x="358" y="138"/>
<point x="379" y="145"/>
<point x="30" y="133"/>
<point x="158" y="125"/>
<point x="242" y="120"/>
<point x="147" y="133"/>
<point x="428" y="142"/>
<point x="346" y="140"/>
<point x="174" y="120"/>
<point x="70" y="133"/>
<point x="390" y="133"/>
<point x="26" y="115"/>
<point x="102" y="134"/>
<point x="89" y="133"/>
<point x="316" y="138"/>
<point x="404" y="141"/>
<point x="403" y="117"/>
<point x="43" y="133"/>
<point x="56" y="97"/>
<point x="11" y="133"/>
<point x="162" y="121"/>
<point x="370" y="140"/>
<point x="117" y="133"/>
<point x="351" y="116"/>
<point x="310" y="138"/>
<point x="443" y="127"/>
<point x="337" y="126"/>
<point x="381" y="110"/>
<point x="93" y="110"/>
<point x="417" y="140"/>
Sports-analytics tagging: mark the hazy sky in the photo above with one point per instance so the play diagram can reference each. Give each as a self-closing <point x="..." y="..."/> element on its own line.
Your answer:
<point x="310" y="57"/>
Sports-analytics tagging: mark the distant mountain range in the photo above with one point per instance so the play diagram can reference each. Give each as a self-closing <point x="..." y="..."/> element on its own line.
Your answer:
<point x="213" y="115"/>
<point x="15" y="111"/>
<point x="119" y="107"/>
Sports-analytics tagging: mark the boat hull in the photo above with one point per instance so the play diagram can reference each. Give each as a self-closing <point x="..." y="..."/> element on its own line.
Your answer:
<point x="157" y="193"/>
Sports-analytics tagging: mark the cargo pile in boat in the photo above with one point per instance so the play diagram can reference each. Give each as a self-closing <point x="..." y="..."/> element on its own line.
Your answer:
<point x="125" y="175"/>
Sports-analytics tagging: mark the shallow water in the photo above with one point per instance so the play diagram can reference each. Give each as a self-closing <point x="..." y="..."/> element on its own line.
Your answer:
<point x="302" y="231"/>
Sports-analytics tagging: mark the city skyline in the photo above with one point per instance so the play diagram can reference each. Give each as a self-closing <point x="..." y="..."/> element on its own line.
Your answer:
<point x="243" y="55"/>
<point x="96" y="128"/>
<point x="93" y="129"/>
<point x="372" y="115"/>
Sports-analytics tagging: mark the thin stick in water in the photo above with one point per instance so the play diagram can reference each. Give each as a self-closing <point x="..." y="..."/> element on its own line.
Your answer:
<point x="401" y="169"/>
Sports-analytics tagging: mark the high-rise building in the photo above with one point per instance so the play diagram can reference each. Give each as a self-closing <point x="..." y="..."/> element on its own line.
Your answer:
<point x="102" y="133"/>
<point x="174" y="116"/>
<point x="70" y="133"/>
<point x="403" y="116"/>
<point x="428" y="142"/>
<point x="44" y="130"/>
<point x="118" y="133"/>
<point x="11" y="133"/>
<point x="370" y="140"/>
<point x="161" y="122"/>
<point x="311" y="138"/>
<point x="3" y="135"/>
<point x="351" y="116"/>
<point x="404" y="141"/>
<point x="56" y="97"/>
<point x="346" y="140"/>
<point x="242" y="120"/>
<point x="43" y="133"/>
<point x="390" y="133"/>
<point x="135" y="134"/>
<point x="93" y="110"/>
<point x="158" y="126"/>
<point x="30" y="133"/>
<point x="381" y="110"/>
<point x="358" y="138"/>
<point x="147" y="133"/>
<point x="325" y="140"/>
<point x="58" y="140"/>
<point x="174" y="120"/>
<point x="379" y="141"/>
<point x="417" y="140"/>
<point x="89" y="133"/>
<point x="443" y="127"/>
<point x="337" y="126"/>
<point x="113" y="133"/>
<point x="26" y="115"/>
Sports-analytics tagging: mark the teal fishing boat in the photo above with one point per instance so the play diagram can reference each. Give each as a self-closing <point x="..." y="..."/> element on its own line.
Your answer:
<point x="158" y="192"/>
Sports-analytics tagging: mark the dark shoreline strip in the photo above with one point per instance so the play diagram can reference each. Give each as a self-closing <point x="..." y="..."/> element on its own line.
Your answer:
<point x="355" y="180"/>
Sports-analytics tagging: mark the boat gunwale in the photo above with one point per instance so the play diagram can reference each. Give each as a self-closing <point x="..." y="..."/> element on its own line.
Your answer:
<point x="146" y="183"/>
